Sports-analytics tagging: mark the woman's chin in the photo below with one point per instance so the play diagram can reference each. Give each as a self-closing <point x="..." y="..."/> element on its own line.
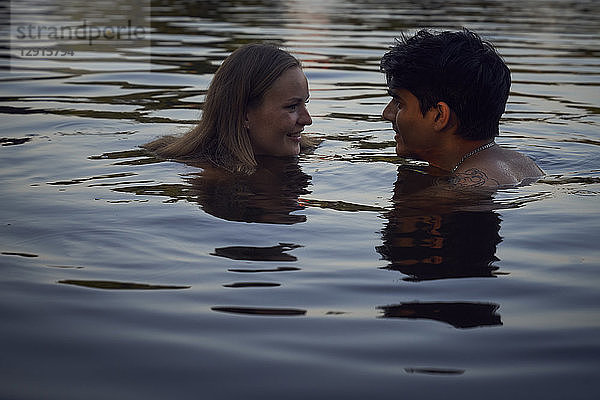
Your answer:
<point x="292" y="149"/>
<point x="287" y="152"/>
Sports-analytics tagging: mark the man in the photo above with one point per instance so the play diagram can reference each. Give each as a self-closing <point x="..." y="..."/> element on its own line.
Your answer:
<point x="448" y="92"/>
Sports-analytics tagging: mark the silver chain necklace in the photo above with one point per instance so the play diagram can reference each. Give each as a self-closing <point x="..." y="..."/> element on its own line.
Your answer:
<point x="472" y="153"/>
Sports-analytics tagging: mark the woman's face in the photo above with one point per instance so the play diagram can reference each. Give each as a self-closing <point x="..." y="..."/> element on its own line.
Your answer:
<point x="276" y="124"/>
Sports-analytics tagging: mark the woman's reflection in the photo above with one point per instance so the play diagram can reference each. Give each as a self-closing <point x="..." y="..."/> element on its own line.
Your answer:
<point x="270" y="195"/>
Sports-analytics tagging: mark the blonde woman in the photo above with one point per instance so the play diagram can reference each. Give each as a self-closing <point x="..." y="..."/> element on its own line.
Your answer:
<point x="254" y="106"/>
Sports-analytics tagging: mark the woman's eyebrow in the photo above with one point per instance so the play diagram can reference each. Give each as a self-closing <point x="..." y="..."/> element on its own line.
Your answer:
<point x="295" y="98"/>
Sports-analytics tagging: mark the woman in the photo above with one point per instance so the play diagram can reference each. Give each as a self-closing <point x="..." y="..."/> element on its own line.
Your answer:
<point x="255" y="105"/>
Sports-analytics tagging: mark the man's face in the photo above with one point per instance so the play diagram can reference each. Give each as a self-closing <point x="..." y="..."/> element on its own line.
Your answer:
<point x="415" y="136"/>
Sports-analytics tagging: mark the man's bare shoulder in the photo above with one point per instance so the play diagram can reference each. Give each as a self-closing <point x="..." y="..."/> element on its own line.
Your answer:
<point x="498" y="167"/>
<point x="473" y="177"/>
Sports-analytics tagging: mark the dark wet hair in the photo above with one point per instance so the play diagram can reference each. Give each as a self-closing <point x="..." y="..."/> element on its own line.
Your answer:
<point x="458" y="68"/>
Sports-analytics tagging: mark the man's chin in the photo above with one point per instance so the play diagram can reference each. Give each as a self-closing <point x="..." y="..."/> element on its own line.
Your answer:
<point x="400" y="147"/>
<point x="401" y="151"/>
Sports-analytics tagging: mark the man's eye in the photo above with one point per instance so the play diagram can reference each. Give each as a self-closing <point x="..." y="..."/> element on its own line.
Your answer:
<point x="292" y="107"/>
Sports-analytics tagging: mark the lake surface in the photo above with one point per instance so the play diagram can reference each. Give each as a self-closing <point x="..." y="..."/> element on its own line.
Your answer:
<point x="127" y="277"/>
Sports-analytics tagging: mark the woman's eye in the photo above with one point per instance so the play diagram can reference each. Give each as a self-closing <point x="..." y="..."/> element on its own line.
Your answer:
<point x="294" y="107"/>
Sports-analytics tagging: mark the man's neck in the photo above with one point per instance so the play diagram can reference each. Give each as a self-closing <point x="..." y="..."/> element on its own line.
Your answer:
<point x="452" y="150"/>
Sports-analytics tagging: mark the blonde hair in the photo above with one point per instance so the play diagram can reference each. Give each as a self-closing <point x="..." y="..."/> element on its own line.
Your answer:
<point x="239" y="83"/>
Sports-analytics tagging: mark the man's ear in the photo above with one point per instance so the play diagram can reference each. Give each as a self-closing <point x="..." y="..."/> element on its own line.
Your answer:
<point x="442" y="116"/>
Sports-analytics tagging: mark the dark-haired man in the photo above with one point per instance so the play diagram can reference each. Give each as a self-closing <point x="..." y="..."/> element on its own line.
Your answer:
<point x="448" y="92"/>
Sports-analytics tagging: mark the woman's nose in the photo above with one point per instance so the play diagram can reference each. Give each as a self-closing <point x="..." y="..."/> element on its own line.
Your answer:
<point x="305" y="118"/>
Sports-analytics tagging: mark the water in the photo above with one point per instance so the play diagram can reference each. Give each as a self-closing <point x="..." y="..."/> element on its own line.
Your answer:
<point x="339" y="277"/>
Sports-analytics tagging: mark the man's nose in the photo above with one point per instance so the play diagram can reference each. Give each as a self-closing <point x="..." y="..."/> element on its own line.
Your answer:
<point x="388" y="112"/>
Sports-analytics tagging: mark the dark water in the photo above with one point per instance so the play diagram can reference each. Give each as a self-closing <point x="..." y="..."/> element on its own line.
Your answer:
<point x="339" y="277"/>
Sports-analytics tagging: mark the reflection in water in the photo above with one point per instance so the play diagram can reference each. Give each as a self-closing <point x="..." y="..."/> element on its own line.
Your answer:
<point x="13" y="141"/>
<point x="250" y="253"/>
<point x="12" y="253"/>
<point x="131" y="157"/>
<point x="91" y="178"/>
<point x="458" y="314"/>
<point x="270" y="195"/>
<point x="435" y="371"/>
<point x="257" y="270"/>
<point x="456" y="245"/>
<point x="433" y="235"/>
<point x="436" y="233"/>
<point x="261" y="311"/>
<point x="119" y="285"/>
<point x="252" y="284"/>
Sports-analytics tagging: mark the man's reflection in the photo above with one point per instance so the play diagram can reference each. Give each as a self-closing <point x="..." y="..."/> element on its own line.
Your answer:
<point x="435" y="233"/>
<point x="460" y="315"/>
<point x="438" y="246"/>
<point x="431" y="235"/>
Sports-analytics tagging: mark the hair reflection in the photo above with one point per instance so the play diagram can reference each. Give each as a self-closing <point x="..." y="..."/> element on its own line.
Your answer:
<point x="430" y="235"/>
<point x="459" y="314"/>
<point x="252" y="253"/>
<point x="270" y="195"/>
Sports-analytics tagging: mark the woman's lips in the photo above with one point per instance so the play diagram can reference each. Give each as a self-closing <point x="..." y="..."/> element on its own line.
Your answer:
<point x="295" y="136"/>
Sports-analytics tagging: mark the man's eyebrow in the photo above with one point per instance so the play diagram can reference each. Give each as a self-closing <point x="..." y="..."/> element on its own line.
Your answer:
<point x="392" y="94"/>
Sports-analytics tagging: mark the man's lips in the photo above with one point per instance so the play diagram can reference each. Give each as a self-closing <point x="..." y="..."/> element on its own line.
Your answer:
<point x="399" y="140"/>
<point x="397" y="136"/>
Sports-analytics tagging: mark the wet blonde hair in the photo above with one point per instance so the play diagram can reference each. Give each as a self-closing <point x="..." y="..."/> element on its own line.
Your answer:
<point x="239" y="83"/>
